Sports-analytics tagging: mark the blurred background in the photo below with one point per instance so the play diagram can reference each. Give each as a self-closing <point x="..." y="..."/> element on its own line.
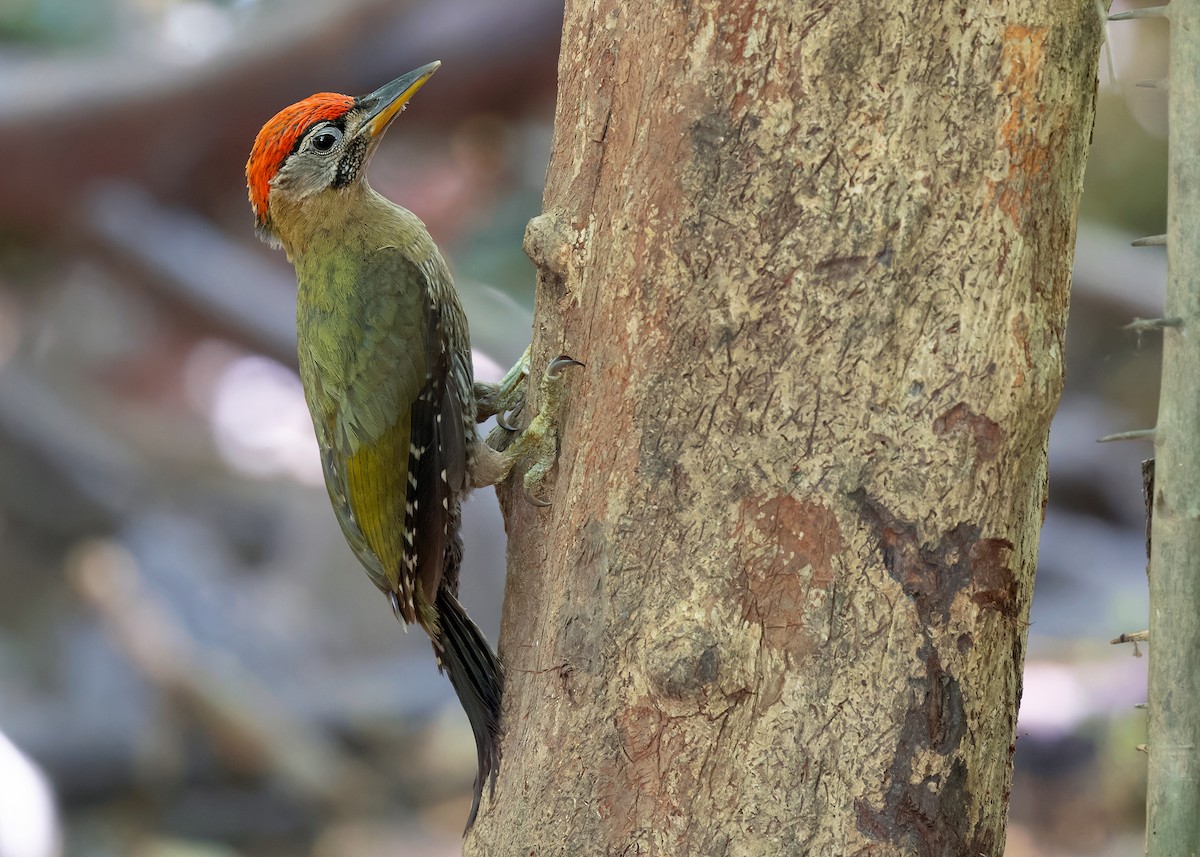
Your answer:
<point x="191" y="663"/>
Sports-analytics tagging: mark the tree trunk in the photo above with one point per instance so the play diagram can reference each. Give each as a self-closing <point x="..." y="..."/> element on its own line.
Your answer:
<point x="1173" y="728"/>
<point x="816" y="257"/>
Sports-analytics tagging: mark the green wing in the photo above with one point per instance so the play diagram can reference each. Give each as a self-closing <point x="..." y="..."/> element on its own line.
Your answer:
<point x="390" y="428"/>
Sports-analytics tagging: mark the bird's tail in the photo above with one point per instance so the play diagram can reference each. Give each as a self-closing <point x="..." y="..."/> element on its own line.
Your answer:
<point x="478" y="679"/>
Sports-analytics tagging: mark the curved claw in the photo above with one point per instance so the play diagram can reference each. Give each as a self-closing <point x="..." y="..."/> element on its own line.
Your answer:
<point x="559" y="363"/>
<point x="507" y="419"/>
<point x="502" y="421"/>
<point x="534" y="501"/>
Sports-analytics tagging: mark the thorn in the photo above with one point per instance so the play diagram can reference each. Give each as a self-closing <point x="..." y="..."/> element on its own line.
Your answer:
<point x="1135" y="638"/>
<point x="1160" y="83"/>
<point x="1142" y="706"/>
<point x="1141" y="324"/>
<point x="1143" y="748"/>
<point x="1150" y="241"/>
<point x="1132" y="14"/>
<point x="1136" y="434"/>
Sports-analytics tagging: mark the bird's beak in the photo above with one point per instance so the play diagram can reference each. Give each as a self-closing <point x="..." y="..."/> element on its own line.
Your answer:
<point x="385" y="103"/>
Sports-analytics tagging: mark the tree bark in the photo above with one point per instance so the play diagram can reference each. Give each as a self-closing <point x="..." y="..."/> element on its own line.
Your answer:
<point x="1173" y="727"/>
<point x="816" y="257"/>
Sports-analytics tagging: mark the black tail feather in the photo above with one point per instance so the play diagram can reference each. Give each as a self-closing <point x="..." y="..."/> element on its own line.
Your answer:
<point x="478" y="679"/>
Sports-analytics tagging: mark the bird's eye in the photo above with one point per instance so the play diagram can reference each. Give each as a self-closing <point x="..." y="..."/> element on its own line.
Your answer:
<point x="327" y="139"/>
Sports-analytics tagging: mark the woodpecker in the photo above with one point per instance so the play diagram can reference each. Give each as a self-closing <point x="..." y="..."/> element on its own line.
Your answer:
<point x="385" y="360"/>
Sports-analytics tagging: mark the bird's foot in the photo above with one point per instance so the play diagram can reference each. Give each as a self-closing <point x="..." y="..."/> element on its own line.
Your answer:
<point x="539" y="440"/>
<point x="505" y="400"/>
<point x="540" y="437"/>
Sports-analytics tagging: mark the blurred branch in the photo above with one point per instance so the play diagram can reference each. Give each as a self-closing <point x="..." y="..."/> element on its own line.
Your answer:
<point x="195" y="264"/>
<point x="62" y="472"/>
<point x="142" y="111"/>
<point x="251" y="730"/>
<point x="1109" y="269"/>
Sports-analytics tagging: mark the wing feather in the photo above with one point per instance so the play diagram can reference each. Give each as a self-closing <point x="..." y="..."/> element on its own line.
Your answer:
<point x="394" y="445"/>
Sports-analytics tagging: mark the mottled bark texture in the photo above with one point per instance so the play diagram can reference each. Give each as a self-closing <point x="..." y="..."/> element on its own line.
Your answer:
<point x="816" y="257"/>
